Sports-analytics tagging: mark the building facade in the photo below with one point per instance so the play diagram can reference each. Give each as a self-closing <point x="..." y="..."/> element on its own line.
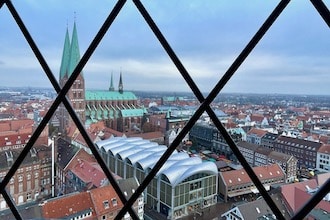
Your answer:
<point x="268" y="140"/>
<point x="32" y="181"/>
<point x="183" y="186"/>
<point x="323" y="158"/>
<point x="305" y="151"/>
<point x="255" y="135"/>
<point x="260" y="156"/>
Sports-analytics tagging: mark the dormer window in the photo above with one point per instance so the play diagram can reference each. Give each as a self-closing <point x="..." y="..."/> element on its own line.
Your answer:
<point x="114" y="202"/>
<point x="33" y="152"/>
<point x="106" y="204"/>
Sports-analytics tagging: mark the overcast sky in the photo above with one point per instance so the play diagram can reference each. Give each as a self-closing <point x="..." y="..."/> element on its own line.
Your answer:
<point x="293" y="57"/>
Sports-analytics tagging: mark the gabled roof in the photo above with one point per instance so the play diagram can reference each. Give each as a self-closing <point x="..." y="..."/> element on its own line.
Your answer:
<point x="8" y="140"/>
<point x="288" y="191"/>
<point x="66" y="206"/>
<point x="296" y="195"/>
<point x="280" y="156"/>
<point x="257" y="132"/>
<point x="239" y="177"/>
<point x="105" y="200"/>
<point x="324" y="149"/>
<point x="65" y="152"/>
<point x="81" y="154"/>
<point x="128" y="186"/>
<point x="259" y="208"/>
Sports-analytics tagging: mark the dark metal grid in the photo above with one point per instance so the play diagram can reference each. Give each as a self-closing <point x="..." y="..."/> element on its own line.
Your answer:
<point x="62" y="98"/>
<point x="318" y="4"/>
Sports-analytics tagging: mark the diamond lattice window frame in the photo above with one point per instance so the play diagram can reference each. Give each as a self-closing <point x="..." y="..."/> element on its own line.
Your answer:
<point x="205" y="105"/>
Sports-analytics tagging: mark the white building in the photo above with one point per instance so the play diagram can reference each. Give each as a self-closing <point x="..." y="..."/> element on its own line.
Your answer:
<point x="323" y="158"/>
<point x="183" y="186"/>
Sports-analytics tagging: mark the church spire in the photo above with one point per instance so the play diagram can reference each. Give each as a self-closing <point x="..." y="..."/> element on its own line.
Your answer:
<point x="74" y="52"/>
<point x="111" y="88"/>
<point x="120" y="87"/>
<point x="65" y="56"/>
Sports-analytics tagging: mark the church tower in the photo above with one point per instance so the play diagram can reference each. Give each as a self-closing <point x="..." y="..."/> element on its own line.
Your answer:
<point x="76" y="94"/>
<point x="111" y="88"/>
<point x="120" y="86"/>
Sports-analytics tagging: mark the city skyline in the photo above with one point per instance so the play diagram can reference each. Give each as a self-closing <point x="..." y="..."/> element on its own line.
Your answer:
<point x="207" y="38"/>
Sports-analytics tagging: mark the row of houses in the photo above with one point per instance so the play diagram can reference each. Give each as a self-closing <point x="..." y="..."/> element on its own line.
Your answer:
<point x="289" y="198"/>
<point x="309" y="154"/>
<point x="32" y="181"/>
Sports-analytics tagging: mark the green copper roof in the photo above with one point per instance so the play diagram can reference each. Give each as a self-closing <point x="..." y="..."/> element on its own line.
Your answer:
<point x="65" y="56"/>
<point x="74" y="52"/>
<point x="131" y="112"/>
<point x="108" y="95"/>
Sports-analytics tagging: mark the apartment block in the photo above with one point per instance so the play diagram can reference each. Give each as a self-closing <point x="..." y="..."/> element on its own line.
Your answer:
<point x="305" y="151"/>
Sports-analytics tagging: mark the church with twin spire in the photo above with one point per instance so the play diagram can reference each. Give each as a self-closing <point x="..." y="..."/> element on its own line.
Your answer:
<point x="118" y="109"/>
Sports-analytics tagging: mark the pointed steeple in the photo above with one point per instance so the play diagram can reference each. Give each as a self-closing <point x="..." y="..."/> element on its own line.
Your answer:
<point x="120" y="87"/>
<point x="74" y="51"/>
<point x="65" y="56"/>
<point x="111" y="88"/>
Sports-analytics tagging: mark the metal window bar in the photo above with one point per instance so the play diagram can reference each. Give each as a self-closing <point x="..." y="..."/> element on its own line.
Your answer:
<point x="62" y="98"/>
<point x="319" y="6"/>
<point x="205" y="105"/>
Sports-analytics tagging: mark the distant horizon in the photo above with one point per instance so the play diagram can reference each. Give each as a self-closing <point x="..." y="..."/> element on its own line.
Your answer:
<point x="169" y="92"/>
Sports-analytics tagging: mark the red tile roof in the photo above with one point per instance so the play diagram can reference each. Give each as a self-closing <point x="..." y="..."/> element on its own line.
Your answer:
<point x="99" y="201"/>
<point x="16" y="125"/>
<point x="324" y="139"/>
<point x="296" y="195"/>
<point x="257" y="132"/>
<point x="8" y="140"/>
<point x="89" y="172"/>
<point x="239" y="177"/>
<point x="257" y="117"/>
<point x="80" y="155"/>
<point x="325" y="149"/>
<point x="105" y="195"/>
<point x="67" y="205"/>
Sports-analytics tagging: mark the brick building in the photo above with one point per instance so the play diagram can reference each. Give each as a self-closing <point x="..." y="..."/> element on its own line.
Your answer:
<point x="305" y="151"/>
<point x="261" y="156"/>
<point x="32" y="181"/>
